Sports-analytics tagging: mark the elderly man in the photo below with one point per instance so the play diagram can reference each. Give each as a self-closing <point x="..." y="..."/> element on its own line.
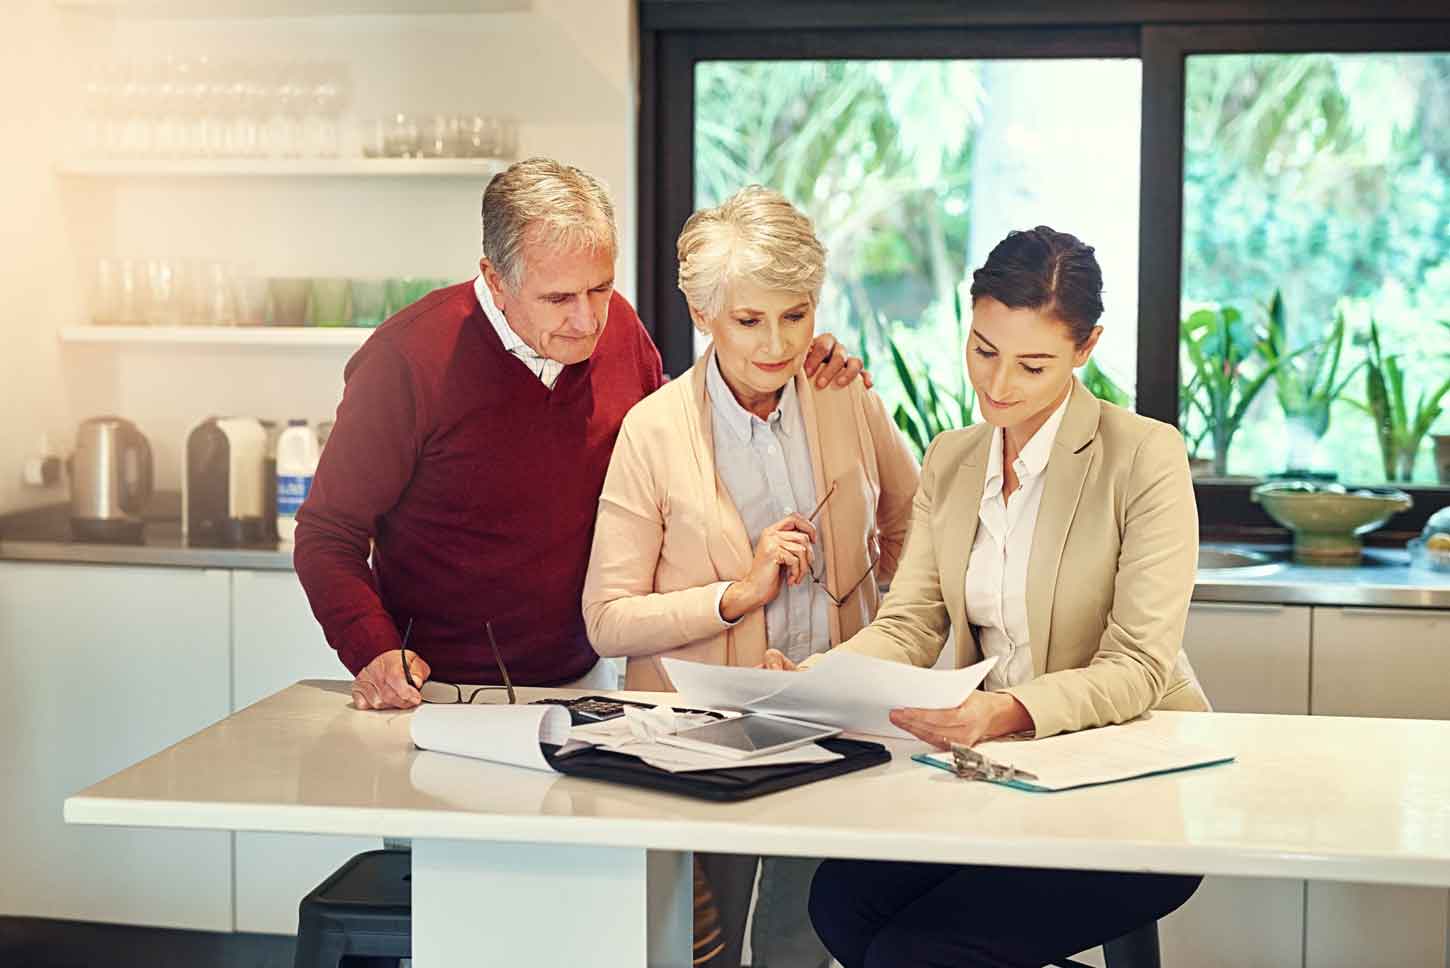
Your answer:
<point x="470" y="449"/>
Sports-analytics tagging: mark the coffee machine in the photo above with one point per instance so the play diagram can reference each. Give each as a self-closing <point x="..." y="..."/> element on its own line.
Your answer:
<point x="223" y="483"/>
<point x="110" y="481"/>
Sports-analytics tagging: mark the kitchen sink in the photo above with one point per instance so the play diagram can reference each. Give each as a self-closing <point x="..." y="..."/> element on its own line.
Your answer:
<point x="1235" y="561"/>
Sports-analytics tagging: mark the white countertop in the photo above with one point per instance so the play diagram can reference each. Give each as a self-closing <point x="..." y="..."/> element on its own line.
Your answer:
<point x="1318" y="797"/>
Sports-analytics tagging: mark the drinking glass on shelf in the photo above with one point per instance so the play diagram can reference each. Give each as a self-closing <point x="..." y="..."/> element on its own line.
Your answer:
<point x="329" y="302"/>
<point x="289" y="300"/>
<point x="369" y="302"/>
<point x="253" y="295"/>
<point x="478" y="136"/>
<point x="105" y="293"/>
<point x="372" y="138"/>
<point x="402" y="137"/>
<point x="163" y="301"/>
<point x="326" y="91"/>
<point x="440" y="137"/>
<point x="218" y="305"/>
<point x="508" y="140"/>
<point x="285" y="105"/>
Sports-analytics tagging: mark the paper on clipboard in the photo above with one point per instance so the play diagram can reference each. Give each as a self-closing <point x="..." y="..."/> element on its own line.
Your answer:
<point x="842" y="689"/>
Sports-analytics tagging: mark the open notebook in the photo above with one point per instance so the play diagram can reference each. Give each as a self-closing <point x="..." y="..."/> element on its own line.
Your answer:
<point x="1110" y="754"/>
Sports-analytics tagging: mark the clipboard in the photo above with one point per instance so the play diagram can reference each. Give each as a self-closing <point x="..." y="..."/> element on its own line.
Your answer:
<point x="721" y="786"/>
<point x="1074" y="761"/>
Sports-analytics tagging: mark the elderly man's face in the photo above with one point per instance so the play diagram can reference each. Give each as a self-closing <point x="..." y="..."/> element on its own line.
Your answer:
<point x="562" y="302"/>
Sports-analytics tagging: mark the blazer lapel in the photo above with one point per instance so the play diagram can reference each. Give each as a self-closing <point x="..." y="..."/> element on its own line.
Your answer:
<point x="1067" y="470"/>
<point x="959" y="530"/>
<point x="727" y="539"/>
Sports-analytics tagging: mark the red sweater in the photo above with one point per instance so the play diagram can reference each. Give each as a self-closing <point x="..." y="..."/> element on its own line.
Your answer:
<point x="477" y="487"/>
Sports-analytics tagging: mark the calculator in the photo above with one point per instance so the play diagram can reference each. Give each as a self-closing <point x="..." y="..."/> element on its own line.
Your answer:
<point x="589" y="709"/>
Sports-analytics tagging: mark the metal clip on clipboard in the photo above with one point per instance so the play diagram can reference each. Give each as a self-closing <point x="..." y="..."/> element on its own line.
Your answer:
<point x="971" y="765"/>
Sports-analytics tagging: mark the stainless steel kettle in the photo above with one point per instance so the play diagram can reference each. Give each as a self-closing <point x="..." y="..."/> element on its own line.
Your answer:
<point x="111" y="479"/>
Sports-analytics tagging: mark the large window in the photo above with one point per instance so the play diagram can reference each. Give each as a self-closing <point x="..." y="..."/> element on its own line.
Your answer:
<point x="1316" y="264"/>
<point x="912" y="171"/>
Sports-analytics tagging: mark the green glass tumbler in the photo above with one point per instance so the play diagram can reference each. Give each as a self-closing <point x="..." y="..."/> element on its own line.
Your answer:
<point x="369" y="302"/>
<point x="329" y="302"/>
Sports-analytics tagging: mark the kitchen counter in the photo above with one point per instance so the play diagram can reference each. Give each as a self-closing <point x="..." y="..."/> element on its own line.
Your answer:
<point x="44" y="534"/>
<point x="1383" y="580"/>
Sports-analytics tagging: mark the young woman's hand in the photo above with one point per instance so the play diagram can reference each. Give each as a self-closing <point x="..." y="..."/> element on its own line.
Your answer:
<point x="982" y="716"/>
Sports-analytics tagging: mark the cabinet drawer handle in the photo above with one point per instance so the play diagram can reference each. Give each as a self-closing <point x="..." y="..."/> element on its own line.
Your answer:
<point x="1236" y="607"/>
<point x="1355" y="611"/>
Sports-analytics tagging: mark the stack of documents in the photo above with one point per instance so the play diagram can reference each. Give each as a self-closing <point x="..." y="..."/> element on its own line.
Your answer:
<point x="515" y="735"/>
<point x="842" y="689"/>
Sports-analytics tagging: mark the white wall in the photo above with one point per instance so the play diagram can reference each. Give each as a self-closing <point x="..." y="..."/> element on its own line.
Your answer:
<point x="565" y="70"/>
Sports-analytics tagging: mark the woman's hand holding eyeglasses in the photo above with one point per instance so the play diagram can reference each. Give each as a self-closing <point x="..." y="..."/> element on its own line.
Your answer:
<point x="782" y="553"/>
<point x="382" y="685"/>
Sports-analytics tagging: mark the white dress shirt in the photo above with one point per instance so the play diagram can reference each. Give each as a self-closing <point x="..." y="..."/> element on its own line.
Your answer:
<point x="767" y="469"/>
<point x="996" y="586"/>
<point x="545" y="369"/>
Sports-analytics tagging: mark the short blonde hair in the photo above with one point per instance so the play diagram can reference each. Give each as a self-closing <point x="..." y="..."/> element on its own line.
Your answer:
<point x="756" y="234"/>
<point x="559" y="205"/>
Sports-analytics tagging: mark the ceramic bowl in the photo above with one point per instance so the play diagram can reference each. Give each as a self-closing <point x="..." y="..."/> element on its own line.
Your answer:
<point x="1327" y="520"/>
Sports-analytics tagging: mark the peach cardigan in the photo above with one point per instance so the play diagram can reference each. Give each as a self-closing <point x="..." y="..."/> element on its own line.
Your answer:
<point x="668" y="537"/>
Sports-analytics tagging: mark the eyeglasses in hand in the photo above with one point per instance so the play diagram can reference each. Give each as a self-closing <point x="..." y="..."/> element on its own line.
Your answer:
<point x="843" y="599"/>
<point x="457" y="690"/>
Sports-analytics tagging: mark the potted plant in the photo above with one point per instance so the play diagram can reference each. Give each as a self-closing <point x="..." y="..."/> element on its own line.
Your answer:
<point x="1221" y="348"/>
<point x="1399" y="429"/>
<point x="1306" y="384"/>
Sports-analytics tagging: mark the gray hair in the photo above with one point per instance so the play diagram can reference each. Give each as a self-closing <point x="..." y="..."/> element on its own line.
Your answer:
<point x="756" y="234"/>
<point x="557" y="205"/>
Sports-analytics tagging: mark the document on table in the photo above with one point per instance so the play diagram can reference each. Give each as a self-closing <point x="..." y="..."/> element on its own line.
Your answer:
<point x="1108" y="754"/>
<point x="513" y="734"/>
<point x="842" y="689"/>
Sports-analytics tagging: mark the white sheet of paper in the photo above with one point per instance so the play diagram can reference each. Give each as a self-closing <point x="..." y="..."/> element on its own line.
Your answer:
<point x="503" y="734"/>
<point x="679" y="760"/>
<point x="843" y="689"/>
<point x="1092" y="756"/>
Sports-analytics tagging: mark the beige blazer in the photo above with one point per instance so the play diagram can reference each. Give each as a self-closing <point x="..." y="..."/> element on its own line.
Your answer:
<point x="668" y="537"/>
<point x="1108" y="581"/>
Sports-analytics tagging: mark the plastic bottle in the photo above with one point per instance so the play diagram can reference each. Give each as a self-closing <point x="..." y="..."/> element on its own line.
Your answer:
<point x="297" y="454"/>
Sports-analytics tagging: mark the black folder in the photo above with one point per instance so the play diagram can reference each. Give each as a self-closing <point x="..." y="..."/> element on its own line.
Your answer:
<point x="724" y="786"/>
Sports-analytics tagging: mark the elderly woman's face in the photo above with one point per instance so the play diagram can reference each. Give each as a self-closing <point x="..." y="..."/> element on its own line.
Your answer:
<point x="1020" y="361"/>
<point x="761" y="336"/>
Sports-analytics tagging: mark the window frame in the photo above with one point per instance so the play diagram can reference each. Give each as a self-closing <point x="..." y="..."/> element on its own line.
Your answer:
<point x="675" y="35"/>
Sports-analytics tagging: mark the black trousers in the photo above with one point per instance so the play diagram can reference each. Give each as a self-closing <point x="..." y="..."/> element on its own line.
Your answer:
<point x="874" y="914"/>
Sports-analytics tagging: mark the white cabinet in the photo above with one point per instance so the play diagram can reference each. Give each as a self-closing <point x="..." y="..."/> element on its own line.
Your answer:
<point x="1250" y="658"/>
<point x="276" y="642"/>
<point x="103" y="666"/>
<point x="1382" y="662"/>
<point x="1237" y="922"/>
<point x="1393" y="663"/>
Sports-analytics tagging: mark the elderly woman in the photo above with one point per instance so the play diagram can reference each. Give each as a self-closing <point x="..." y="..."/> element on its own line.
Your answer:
<point x="704" y="547"/>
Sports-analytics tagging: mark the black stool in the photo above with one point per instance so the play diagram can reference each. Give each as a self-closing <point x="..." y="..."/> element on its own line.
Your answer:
<point x="1136" y="949"/>
<point x="363" y="910"/>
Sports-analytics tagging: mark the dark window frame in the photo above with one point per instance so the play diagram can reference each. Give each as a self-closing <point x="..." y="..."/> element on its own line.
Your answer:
<point x="675" y="35"/>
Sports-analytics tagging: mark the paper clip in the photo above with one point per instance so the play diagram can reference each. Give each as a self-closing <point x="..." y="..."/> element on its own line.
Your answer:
<point x="971" y="765"/>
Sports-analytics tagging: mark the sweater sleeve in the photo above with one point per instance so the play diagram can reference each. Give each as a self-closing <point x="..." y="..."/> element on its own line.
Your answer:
<point x="623" y="613"/>
<point x="369" y="459"/>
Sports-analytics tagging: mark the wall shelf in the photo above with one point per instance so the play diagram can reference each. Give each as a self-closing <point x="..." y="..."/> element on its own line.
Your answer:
<point x="253" y="9"/>
<point x="283" y="167"/>
<point x="297" y="337"/>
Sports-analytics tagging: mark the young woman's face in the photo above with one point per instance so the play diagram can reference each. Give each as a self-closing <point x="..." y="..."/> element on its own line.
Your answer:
<point x="1020" y="361"/>
<point x="761" y="336"/>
